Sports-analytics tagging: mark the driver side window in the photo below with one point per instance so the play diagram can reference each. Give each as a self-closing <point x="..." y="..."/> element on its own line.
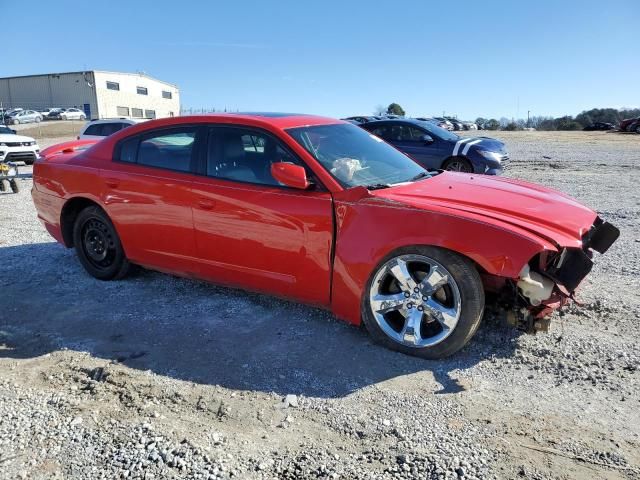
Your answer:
<point x="244" y="155"/>
<point x="410" y="134"/>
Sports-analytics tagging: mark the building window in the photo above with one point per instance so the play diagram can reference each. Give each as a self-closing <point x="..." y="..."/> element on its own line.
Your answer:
<point x="142" y="90"/>
<point x="166" y="94"/>
<point x="149" y="114"/>
<point x="123" y="111"/>
<point x="113" y="86"/>
<point x="136" y="112"/>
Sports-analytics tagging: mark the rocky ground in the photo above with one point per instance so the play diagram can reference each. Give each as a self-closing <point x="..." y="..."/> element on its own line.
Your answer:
<point x="159" y="377"/>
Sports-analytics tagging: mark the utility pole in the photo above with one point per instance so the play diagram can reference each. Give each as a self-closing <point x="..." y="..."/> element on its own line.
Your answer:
<point x="528" y="124"/>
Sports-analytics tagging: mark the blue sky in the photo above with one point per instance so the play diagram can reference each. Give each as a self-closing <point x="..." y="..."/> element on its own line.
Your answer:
<point x="466" y="58"/>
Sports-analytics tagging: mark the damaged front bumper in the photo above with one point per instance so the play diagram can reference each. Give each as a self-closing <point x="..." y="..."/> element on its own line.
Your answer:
<point x="549" y="281"/>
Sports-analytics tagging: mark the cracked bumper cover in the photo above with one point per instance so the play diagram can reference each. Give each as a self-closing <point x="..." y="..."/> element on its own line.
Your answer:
<point x="571" y="266"/>
<point x="575" y="264"/>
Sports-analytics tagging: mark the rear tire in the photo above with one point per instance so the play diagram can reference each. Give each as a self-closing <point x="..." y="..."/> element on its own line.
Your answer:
<point x="14" y="186"/>
<point x="98" y="246"/>
<point x="458" y="164"/>
<point x="442" y="315"/>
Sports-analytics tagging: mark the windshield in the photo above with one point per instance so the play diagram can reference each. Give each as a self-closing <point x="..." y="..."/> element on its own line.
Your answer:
<point x="356" y="157"/>
<point x="439" y="132"/>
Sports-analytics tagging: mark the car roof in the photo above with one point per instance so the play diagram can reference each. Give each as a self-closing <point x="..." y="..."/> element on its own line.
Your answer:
<point x="117" y="119"/>
<point x="268" y="121"/>
<point x="397" y="121"/>
<point x="280" y="120"/>
<point x="277" y="120"/>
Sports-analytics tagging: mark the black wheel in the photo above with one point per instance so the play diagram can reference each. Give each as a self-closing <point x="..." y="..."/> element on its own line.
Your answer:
<point x="98" y="245"/>
<point x="2" y="187"/>
<point x="423" y="301"/>
<point x="458" y="164"/>
<point x="14" y="186"/>
<point x="637" y="128"/>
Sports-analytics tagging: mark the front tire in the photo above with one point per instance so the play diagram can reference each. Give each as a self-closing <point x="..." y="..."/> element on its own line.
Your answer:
<point x="423" y="301"/>
<point x="458" y="164"/>
<point x="98" y="246"/>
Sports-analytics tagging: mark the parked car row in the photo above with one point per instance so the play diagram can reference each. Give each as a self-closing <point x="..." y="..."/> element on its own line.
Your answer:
<point x="448" y="123"/>
<point x="16" y="116"/>
<point x="631" y="125"/>
<point x="324" y="212"/>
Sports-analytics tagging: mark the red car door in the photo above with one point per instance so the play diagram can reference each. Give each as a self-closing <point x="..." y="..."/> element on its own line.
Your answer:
<point x="254" y="233"/>
<point x="148" y="196"/>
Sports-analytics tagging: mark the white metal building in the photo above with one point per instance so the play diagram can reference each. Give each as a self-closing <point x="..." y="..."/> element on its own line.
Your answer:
<point x="99" y="93"/>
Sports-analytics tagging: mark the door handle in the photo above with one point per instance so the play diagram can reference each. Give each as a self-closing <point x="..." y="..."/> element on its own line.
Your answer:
<point x="206" y="204"/>
<point x="112" y="182"/>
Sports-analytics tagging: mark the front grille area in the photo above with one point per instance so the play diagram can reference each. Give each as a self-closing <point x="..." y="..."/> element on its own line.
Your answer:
<point x="20" y="156"/>
<point x="17" y="144"/>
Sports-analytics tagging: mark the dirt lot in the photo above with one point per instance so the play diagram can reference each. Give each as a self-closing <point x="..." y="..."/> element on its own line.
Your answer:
<point x="159" y="377"/>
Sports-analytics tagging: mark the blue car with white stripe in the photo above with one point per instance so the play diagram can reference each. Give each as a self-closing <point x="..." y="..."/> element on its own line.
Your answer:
<point x="436" y="148"/>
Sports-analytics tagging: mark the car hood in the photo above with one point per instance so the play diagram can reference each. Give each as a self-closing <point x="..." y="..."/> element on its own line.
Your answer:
<point x="9" y="137"/>
<point x="487" y="143"/>
<point x="542" y="211"/>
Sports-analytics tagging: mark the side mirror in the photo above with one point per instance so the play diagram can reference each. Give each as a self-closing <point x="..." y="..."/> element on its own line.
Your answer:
<point x="427" y="139"/>
<point x="290" y="175"/>
<point x="14" y="131"/>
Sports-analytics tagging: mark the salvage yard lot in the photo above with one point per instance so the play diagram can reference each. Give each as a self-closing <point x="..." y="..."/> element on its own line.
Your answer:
<point x="182" y="379"/>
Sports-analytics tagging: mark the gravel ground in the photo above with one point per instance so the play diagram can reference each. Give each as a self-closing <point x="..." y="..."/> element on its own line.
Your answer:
<point x="160" y="377"/>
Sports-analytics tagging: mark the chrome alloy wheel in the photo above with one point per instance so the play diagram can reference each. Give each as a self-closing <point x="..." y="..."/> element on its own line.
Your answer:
<point x="415" y="301"/>
<point x="458" y="166"/>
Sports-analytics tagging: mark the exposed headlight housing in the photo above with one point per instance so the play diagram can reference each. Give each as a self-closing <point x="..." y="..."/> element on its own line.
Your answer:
<point x="496" y="156"/>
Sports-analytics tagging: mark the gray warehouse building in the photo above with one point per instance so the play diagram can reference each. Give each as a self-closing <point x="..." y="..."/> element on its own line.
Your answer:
<point x="100" y="94"/>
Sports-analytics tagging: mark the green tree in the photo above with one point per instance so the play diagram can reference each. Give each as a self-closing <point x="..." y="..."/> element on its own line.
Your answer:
<point x="492" y="124"/>
<point x="395" y="109"/>
<point x="567" y="123"/>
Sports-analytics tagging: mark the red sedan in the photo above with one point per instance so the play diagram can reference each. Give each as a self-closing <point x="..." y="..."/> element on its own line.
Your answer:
<point x="323" y="212"/>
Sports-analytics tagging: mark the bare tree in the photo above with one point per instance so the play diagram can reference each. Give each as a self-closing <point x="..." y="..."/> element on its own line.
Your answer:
<point x="380" y="110"/>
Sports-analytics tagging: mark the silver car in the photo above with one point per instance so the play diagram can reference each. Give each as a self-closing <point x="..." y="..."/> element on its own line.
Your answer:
<point x="26" y="116"/>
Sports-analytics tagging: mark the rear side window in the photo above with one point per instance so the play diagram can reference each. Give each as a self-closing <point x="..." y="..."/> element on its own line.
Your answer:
<point x="129" y="150"/>
<point x="109" y="128"/>
<point x="93" y="130"/>
<point x="170" y="149"/>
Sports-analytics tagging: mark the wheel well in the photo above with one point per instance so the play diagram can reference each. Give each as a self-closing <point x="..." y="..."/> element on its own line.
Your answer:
<point x="69" y="214"/>
<point x="455" y="156"/>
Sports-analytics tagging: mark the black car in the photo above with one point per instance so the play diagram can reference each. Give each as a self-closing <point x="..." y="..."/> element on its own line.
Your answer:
<point x="55" y="114"/>
<point x="599" y="126"/>
<point x="4" y="130"/>
<point x="436" y="148"/>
